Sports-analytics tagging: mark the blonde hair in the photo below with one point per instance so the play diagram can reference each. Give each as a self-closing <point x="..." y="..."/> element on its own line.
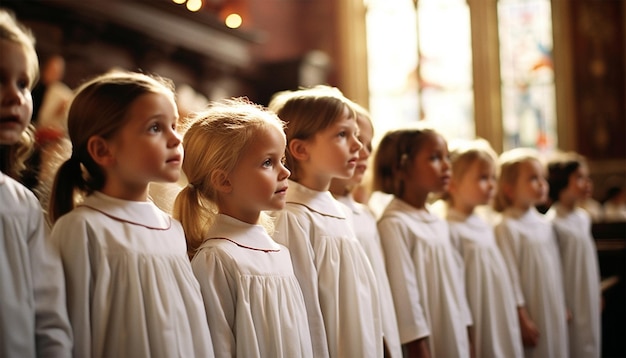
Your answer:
<point x="509" y="164"/>
<point x="13" y="157"/>
<point x="307" y="112"/>
<point x="99" y="108"/>
<point x="465" y="153"/>
<point x="395" y="151"/>
<point x="215" y="139"/>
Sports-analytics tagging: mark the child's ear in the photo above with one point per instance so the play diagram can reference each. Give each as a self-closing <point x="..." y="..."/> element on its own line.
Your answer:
<point x="221" y="182"/>
<point x="100" y="151"/>
<point x="298" y="149"/>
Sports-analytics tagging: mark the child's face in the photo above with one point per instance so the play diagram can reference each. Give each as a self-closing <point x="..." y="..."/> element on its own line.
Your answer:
<point x="476" y="186"/>
<point x="366" y="133"/>
<point x="16" y="102"/>
<point x="334" y="151"/>
<point x="579" y="185"/>
<point x="148" y="148"/>
<point x="430" y="169"/>
<point x="259" y="180"/>
<point x="531" y="187"/>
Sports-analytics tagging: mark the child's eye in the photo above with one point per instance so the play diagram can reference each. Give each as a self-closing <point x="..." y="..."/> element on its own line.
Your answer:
<point x="342" y="134"/>
<point x="283" y="160"/>
<point x="22" y="84"/>
<point x="267" y="163"/>
<point x="155" y="128"/>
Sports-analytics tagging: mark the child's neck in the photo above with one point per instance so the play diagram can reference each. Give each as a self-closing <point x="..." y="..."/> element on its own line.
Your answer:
<point x="568" y="204"/>
<point x="416" y="201"/>
<point x="125" y="192"/>
<point x="315" y="183"/>
<point x="463" y="209"/>
<point x="523" y="207"/>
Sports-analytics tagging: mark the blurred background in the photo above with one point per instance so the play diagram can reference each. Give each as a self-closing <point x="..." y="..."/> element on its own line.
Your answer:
<point x="537" y="73"/>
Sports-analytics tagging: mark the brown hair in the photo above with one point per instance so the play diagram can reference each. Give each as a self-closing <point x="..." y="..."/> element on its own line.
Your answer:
<point x="99" y="108"/>
<point x="396" y="149"/>
<point x="307" y="112"/>
<point x="560" y="168"/>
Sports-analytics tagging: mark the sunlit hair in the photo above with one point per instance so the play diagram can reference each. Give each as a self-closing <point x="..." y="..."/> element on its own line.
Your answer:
<point x="560" y="168"/>
<point x="395" y="152"/>
<point x="100" y="108"/>
<point x="464" y="153"/>
<point x="508" y="170"/>
<point x="307" y="112"/>
<point x="214" y="142"/>
<point x="13" y="157"/>
<point x="12" y="31"/>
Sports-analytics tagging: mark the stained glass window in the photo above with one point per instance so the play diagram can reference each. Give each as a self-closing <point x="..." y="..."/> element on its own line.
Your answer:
<point x="527" y="72"/>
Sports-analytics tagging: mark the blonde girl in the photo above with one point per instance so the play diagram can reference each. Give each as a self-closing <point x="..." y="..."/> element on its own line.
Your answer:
<point x="528" y="245"/>
<point x="367" y="233"/>
<point x="570" y="184"/>
<point x="334" y="272"/>
<point x="424" y="273"/>
<point x="130" y="288"/>
<point x="488" y="289"/>
<point x="234" y="155"/>
<point x="33" y="317"/>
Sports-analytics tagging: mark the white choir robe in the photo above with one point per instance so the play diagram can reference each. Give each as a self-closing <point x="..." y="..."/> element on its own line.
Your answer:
<point x="488" y="287"/>
<point x="33" y="315"/>
<point x="367" y="233"/>
<point x="130" y="288"/>
<point x="528" y="245"/>
<point x="252" y="298"/>
<point x="335" y="275"/>
<point x="426" y="279"/>
<point x="581" y="277"/>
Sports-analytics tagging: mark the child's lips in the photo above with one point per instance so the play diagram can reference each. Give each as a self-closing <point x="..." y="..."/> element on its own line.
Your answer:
<point x="282" y="190"/>
<point x="175" y="159"/>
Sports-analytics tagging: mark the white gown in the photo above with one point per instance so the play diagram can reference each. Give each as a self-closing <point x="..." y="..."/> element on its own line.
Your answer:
<point x="33" y="316"/>
<point x="253" y="301"/>
<point x="367" y="233"/>
<point x="130" y="288"/>
<point x="426" y="279"/>
<point x="334" y="273"/>
<point x="581" y="276"/>
<point x="527" y="242"/>
<point x="488" y="287"/>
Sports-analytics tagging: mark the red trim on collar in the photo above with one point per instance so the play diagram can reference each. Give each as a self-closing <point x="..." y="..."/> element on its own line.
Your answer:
<point x="243" y="246"/>
<point x="169" y="225"/>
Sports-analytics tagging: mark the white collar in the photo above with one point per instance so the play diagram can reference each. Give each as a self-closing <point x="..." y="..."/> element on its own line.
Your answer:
<point x="321" y="202"/>
<point x="142" y="213"/>
<point x="242" y="234"/>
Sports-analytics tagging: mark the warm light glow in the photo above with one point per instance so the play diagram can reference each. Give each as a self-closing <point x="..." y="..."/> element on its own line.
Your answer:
<point x="194" y="5"/>
<point x="179" y="1"/>
<point x="233" y="21"/>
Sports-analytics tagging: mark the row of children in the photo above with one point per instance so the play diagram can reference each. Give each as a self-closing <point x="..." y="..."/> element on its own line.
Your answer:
<point x="284" y="261"/>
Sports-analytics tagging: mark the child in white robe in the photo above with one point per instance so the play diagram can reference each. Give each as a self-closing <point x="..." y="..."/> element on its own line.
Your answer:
<point x="130" y="288"/>
<point x="337" y="280"/>
<point x="367" y="232"/>
<point x="569" y="180"/>
<point x="528" y="245"/>
<point x="424" y="271"/>
<point x="234" y="153"/>
<point x="33" y="316"/>
<point x="488" y="288"/>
